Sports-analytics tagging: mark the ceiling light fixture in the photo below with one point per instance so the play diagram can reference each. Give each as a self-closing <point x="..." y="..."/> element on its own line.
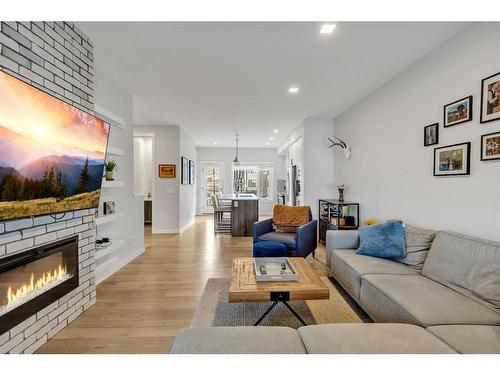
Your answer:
<point x="327" y="28"/>
<point x="275" y="131"/>
<point x="271" y="138"/>
<point x="215" y="143"/>
<point x="293" y="90"/>
<point x="267" y="143"/>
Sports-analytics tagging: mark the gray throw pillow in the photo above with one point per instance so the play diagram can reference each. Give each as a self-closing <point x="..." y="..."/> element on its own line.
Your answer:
<point x="418" y="242"/>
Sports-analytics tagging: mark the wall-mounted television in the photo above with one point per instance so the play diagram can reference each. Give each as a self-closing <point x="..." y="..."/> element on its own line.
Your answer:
<point x="51" y="153"/>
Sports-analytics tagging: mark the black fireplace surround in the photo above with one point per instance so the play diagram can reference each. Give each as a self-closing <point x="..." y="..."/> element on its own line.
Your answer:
<point x="15" y="268"/>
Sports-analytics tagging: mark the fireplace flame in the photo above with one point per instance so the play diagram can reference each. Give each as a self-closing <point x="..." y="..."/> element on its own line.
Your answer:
<point x="45" y="279"/>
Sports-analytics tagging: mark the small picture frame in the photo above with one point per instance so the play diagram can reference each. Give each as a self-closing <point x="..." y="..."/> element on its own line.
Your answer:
<point x="490" y="146"/>
<point x="184" y="171"/>
<point x="490" y="98"/>
<point x="458" y="112"/>
<point x="191" y="172"/>
<point x="166" y="170"/>
<point x="431" y="134"/>
<point x="109" y="207"/>
<point x="453" y="160"/>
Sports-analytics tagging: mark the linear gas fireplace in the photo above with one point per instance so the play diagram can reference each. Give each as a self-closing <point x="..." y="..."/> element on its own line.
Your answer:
<point x="32" y="280"/>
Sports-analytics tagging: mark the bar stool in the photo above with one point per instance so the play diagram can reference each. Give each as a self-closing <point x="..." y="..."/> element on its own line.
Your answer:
<point x="222" y="223"/>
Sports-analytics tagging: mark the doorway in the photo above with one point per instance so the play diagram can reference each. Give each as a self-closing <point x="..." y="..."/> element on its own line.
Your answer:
<point x="212" y="181"/>
<point x="144" y="173"/>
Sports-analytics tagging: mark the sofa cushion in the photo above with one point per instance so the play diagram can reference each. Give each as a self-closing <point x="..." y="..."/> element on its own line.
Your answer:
<point x="237" y="340"/>
<point x="359" y="338"/>
<point x="383" y="240"/>
<point x="466" y="264"/>
<point x="287" y="238"/>
<point x="348" y="267"/>
<point x="418" y="242"/>
<point x="421" y="301"/>
<point x="469" y="339"/>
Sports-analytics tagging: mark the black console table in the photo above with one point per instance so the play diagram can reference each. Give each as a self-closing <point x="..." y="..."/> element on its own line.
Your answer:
<point x="335" y="214"/>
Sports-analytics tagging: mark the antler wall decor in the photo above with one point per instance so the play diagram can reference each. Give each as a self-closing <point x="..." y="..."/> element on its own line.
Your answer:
<point x="336" y="141"/>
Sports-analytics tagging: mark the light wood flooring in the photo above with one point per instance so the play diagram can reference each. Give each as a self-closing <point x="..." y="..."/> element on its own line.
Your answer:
<point x="141" y="307"/>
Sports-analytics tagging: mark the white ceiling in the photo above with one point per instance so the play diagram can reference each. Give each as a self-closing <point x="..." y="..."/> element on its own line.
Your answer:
<point x="212" y="78"/>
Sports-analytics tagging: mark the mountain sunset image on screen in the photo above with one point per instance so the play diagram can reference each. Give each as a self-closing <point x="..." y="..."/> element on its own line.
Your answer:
<point x="51" y="153"/>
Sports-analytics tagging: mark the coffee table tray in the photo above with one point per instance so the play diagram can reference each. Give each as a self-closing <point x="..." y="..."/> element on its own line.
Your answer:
<point x="271" y="269"/>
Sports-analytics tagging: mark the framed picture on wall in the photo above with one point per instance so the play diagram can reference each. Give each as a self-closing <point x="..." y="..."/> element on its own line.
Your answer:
<point x="191" y="172"/>
<point x="490" y="98"/>
<point x="453" y="160"/>
<point x="431" y="134"/>
<point x="490" y="146"/>
<point x="166" y="170"/>
<point x="184" y="171"/>
<point x="458" y="112"/>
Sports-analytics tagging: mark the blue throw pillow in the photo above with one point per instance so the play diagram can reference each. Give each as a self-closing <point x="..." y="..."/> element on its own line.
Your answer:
<point x="385" y="240"/>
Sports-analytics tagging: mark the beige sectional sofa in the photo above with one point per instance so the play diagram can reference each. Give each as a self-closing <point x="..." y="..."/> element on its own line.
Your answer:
<point x="444" y="297"/>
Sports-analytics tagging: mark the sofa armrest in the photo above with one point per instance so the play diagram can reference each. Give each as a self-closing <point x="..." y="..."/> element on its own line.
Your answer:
<point x="342" y="239"/>
<point x="307" y="238"/>
<point x="262" y="227"/>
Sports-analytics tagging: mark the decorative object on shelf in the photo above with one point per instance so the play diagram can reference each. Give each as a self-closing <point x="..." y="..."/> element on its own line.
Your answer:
<point x="431" y="134"/>
<point x="490" y="146"/>
<point x="236" y="162"/>
<point x="109" y="208"/>
<point x="184" y="171"/>
<point x="191" y="172"/>
<point x="370" y="221"/>
<point x="109" y="166"/>
<point x="341" y="189"/>
<point x="339" y="142"/>
<point x="490" y="98"/>
<point x="458" y="112"/>
<point x="453" y="160"/>
<point x="166" y="170"/>
<point x="335" y="214"/>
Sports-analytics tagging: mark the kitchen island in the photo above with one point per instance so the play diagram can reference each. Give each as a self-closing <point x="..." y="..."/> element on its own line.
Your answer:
<point x="244" y="212"/>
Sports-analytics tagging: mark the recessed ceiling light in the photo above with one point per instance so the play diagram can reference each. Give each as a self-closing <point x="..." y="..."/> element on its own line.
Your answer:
<point x="327" y="28"/>
<point x="215" y="143"/>
<point x="275" y="131"/>
<point x="271" y="138"/>
<point x="267" y="143"/>
<point x="293" y="90"/>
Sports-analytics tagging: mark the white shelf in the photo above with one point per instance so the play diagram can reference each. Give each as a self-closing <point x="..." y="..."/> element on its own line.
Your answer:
<point x="108" y="218"/>
<point x="116" y="244"/>
<point x="108" y="115"/>
<point x="112" y="184"/>
<point x="115" y="151"/>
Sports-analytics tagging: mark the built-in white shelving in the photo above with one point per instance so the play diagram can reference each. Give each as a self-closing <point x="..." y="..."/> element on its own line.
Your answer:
<point x="108" y="218"/>
<point x="116" y="245"/>
<point x="112" y="118"/>
<point x="115" y="151"/>
<point x="112" y="184"/>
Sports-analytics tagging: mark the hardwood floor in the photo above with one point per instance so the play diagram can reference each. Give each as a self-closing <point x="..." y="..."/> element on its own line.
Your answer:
<point x="140" y="308"/>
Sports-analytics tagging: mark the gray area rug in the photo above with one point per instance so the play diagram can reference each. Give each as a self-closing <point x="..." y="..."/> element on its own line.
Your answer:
<point x="214" y="310"/>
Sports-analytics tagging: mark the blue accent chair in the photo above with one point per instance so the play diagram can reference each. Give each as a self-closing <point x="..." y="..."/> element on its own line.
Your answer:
<point x="299" y="244"/>
<point x="269" y="249"/>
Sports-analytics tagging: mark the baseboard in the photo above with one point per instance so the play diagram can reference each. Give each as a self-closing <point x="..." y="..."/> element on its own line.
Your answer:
<point x="186" y="226"/>
<point x="114" y="265"/>
<point x="164" y="231"/>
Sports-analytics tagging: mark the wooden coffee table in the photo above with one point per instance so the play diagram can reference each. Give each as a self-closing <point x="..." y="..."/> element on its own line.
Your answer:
<point x="244" y="287"/>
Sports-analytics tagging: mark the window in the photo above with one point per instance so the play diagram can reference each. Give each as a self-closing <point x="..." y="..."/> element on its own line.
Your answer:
<point x="255" y="179"/>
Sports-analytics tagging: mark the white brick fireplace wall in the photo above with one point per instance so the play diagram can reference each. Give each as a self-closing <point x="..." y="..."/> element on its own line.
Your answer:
<point x="58" y="58"/>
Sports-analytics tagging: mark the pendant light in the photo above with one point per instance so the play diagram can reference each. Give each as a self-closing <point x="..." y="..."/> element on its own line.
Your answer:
<point x="236" y="162"/>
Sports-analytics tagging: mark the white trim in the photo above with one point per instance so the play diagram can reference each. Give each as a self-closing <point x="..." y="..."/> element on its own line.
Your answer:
<point x="186" y="226"/>
<point x="164" y="231"/>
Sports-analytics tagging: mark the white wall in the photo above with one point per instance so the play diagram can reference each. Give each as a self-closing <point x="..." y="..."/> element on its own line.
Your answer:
<point x="113" y="98"/>
<point x="391" y="172"/>
<point x="318" y="162"/>
<point x="245" y="155"/>
<point x="187" y="196"/>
